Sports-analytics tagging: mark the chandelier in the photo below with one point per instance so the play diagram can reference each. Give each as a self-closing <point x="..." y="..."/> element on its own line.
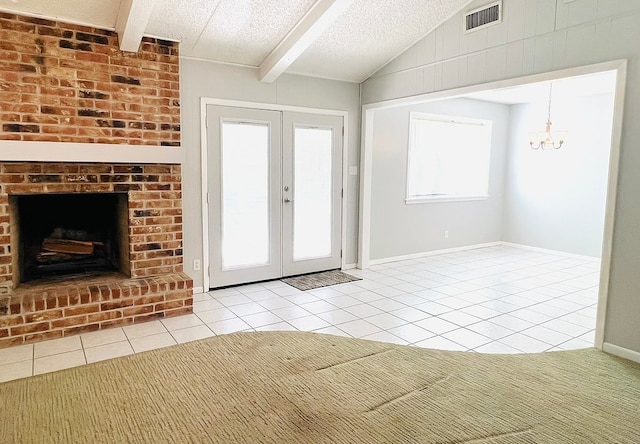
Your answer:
<point x="547" y="140"/>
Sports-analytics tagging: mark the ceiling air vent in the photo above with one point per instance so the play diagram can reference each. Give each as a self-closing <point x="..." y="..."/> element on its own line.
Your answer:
<point x="480" y="18"/>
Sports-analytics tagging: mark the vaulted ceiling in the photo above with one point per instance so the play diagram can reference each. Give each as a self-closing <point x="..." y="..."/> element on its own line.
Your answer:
<point x="341" y="39"/>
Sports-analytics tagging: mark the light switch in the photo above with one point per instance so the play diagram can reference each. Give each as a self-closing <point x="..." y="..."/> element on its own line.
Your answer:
<point x="353" y="171"/>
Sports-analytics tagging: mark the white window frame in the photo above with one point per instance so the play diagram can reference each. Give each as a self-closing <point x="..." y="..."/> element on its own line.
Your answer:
<point x="415" y="115"/>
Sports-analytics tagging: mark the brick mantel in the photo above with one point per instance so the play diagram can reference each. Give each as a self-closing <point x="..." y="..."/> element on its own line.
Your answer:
<point x="26" y="151"/>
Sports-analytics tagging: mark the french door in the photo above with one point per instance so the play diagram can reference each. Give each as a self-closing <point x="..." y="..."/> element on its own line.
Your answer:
<point x="275" y="190"/>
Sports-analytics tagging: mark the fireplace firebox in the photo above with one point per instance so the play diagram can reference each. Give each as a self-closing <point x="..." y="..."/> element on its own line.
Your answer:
<point x="70" y="234"/>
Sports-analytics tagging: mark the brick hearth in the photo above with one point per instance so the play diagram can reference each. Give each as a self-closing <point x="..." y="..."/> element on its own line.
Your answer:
<point x="156" y="287"/>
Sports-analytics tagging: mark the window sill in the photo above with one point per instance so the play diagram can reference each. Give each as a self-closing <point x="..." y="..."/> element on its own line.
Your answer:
<point x="448" y="198"/>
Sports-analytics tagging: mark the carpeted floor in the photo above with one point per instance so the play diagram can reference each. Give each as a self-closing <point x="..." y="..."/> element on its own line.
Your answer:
<point x="322" y="279"/>
<point x="296" y="387"/>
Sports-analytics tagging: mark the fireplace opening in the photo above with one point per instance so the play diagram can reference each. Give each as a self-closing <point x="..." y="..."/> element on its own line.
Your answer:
<point x="69" y="234"/>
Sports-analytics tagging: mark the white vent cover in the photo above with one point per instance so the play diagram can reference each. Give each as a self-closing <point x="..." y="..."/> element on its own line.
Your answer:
<point x="484" y="17"/>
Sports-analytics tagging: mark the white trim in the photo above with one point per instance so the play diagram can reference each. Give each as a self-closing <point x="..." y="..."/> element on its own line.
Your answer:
<point x="61" y="20"/>
<point x="444" y="198"/>
<point x="476" y="246"/>
<point x="366" y="165"/>
<point x="349" y="266"/>
<point x="204" y="102"/>
<point x="27" y="151"/>
<point x="621" y="352"/>
<point x="271" y="107"/>
<point x="549" y="251"/>
<point x="612" y="65"/>
<point x="431" y="253"/>
<point x="610" y="206"/>
<point x="197" y="290"/>
<point x="345" y="182"/>
<point x="204" y="194"/>
<point x="620" y="66"/>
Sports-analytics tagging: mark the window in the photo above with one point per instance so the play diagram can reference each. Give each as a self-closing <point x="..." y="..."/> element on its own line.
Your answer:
<point x="448" y="158"/>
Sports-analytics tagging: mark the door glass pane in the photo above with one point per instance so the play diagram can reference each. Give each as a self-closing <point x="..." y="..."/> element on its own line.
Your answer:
<point x="312" y="193"/>
<point x="245" y="194"/>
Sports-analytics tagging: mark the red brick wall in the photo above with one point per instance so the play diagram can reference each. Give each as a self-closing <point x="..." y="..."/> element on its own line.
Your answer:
<point x="67" y="83"/>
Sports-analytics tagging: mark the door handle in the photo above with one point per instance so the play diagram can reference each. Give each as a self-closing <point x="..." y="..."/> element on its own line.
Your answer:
<point x="287" y="200"/>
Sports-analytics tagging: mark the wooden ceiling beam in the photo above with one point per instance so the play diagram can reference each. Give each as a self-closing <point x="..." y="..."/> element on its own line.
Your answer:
<point x="319" y="17"/>
<point x="133" y="17"/>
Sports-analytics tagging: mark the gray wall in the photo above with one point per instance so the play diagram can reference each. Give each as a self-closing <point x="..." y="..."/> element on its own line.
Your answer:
<point x="398" y="229"/>
<point x="538" y="36"/>
<point x="206" y="79"/>
<point x="556" y="198"/>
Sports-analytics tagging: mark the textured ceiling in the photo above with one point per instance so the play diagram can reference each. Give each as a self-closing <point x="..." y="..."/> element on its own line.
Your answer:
<point x="366" y="36"/>
<point x="371" y="33"/>
<point x="569" y="87"/>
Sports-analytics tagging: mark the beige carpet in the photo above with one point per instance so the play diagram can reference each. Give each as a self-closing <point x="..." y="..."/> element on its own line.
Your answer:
<point x="293" y="387"/>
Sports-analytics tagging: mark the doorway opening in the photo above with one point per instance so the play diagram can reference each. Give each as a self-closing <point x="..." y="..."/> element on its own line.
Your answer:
<point x="544" y="173"/>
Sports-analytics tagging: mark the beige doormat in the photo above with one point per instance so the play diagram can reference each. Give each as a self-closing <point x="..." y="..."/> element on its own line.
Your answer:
<point x="318" y="280"/>
<point x="299" y="387"/>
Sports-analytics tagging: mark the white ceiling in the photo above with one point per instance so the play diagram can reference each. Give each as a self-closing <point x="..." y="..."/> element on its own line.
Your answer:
<point x="359" y="42"/>
<point x="370" y="34"/>
<point x="578" y="86"/>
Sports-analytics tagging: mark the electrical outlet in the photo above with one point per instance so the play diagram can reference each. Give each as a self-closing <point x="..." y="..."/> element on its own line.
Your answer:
<point x="196" y="264"/>
<point x="446" y="234"/>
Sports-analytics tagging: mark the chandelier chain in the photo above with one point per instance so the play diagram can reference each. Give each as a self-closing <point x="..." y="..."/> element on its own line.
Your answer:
<point x="549" y="109"/>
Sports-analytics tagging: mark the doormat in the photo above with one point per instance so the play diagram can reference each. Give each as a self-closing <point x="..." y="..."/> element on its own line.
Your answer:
<point x="318" y="280"/>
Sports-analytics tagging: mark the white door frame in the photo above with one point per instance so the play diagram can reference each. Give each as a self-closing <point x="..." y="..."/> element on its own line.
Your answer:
<point x="204" y="101"/>
<point x="366" y="161"/>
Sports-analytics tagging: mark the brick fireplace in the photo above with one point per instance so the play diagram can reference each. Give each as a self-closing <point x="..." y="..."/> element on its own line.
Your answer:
<point x="80" y="117"/>
<point x="150" y="284"/>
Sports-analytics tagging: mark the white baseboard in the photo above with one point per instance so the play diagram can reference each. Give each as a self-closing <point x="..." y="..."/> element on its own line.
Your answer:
<point x="621" y="352"/>
<point x="548" y="251"/>
<point x="197" y="290"/>
<point x="431" y="253"/>
<point x="473" y="247"/>
<point x="349" y="266"/>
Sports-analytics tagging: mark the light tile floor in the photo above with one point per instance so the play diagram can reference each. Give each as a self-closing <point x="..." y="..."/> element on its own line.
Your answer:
<point x="490" y="300"/>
